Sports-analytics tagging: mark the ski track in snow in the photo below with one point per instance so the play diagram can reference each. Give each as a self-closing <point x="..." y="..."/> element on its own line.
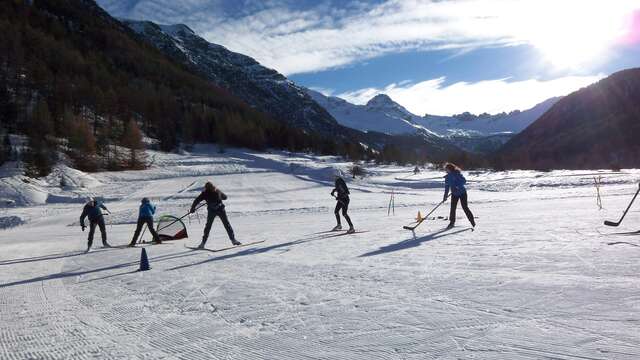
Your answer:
<point x="535" y="280"/>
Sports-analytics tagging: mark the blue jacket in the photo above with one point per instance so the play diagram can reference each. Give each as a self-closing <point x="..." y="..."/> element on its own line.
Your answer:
<point x="146" y="210"/>
<point x="454" y="181"/>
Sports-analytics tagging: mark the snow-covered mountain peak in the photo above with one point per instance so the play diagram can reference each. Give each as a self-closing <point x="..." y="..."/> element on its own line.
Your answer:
<point x="177" y="30"/>
<point x="381" y="100"/>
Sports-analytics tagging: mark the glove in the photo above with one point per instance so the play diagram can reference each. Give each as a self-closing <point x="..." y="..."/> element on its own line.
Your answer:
<point x="192" y="210"/>
<point x="444" y="198"/>
<point x="82" y="227"/>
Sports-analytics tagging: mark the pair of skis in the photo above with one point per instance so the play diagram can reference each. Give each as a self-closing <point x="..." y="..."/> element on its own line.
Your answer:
<point x="227" y="248"/>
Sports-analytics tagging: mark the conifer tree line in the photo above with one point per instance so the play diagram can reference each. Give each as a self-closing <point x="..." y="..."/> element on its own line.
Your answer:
<point x="75" y="81"/>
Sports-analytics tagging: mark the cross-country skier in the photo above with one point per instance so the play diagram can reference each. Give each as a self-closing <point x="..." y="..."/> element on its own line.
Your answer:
<point x="215" y="207"/>
<point x="93" y="210"/>
<point x="342" y="203"/>
<point x="145" y="216"/>
<point x="455" y="181"/>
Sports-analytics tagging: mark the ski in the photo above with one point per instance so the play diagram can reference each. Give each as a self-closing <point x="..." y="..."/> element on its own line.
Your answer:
<point x="344" y="233"/>
<point x="224" y="249"/>
<point x="622" y="243"/>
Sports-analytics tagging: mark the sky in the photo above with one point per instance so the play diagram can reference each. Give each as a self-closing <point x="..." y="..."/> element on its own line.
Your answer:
<point x="439" y="57"/>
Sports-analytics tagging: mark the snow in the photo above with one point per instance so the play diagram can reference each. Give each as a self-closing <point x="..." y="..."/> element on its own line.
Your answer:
<point x="535" y="280"/>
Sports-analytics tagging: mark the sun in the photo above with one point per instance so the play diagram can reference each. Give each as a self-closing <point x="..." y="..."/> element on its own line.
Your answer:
<point x="572" y="34"/>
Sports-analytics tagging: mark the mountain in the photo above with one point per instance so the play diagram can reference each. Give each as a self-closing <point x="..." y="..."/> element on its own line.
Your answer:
<point x="485" y="124"/>
<point x="477" y="133"/>
<point x="77" y="81"/>
<point x="264" y="89"/>
<point x="272" y="93"/>
<point x="595" y="127"/>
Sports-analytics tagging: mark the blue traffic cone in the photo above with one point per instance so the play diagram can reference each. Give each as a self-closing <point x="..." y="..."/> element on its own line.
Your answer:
<point x="144" y="261"/>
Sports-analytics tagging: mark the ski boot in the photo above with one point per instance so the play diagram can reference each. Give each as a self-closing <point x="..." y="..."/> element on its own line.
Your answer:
<point x="351" y="230"/>
<point x="451" y="225"/>
<point x="106" y="245"/>
<point x="235" y="242"/>
<point x="201" y="246"/>
<point x="337" y="228"/>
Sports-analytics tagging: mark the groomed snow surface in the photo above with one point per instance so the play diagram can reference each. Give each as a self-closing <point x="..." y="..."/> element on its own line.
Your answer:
<point x="537" y="279"/>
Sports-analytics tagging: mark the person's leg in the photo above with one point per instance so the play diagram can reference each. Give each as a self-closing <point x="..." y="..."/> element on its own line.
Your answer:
<point x="452" y="213"/>
<point x="103" y="232"/>
<point x="467" y="211"/>
<point x="227" y="226"/>
<point x="211" y="215"/>
<point x="149" y="222"/>
<point x="92" y="230"/>
<point x="136" y="233"/>
<point x="336" y="212"/>
<point x="345" y="208"/>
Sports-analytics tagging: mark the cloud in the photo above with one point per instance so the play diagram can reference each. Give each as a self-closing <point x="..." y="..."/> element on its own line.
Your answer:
<point x="307" y="36"/>
<point x="491" y="96"/>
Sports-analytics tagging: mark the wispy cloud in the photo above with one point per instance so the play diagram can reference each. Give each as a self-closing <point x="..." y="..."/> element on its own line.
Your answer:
<point x="491" y="96"/>
<point x="307" y="36"/>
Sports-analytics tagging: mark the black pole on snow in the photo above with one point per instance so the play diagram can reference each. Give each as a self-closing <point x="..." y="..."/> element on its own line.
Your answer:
<point x="611" y="223"/>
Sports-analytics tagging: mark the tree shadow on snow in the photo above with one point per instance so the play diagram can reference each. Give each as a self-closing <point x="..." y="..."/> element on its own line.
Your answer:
<point x="77" y="272"/>
<point x="47" y="257"/>
<point x="414" y="242"/>
<point x="253" y="251"/>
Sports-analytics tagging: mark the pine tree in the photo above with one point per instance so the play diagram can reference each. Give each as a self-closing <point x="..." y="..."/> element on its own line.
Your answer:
<point x="132" y="139"/>
<point x="42" y="150"/>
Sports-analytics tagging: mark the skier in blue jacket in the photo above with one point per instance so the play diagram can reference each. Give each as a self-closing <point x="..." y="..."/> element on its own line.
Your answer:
<point x="455" y="181"/>
<point x="145" y="216"/>
<point x="93" y="210"/>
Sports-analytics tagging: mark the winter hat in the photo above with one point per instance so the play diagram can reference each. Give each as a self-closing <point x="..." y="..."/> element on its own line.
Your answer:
<point x="145" y="200"/>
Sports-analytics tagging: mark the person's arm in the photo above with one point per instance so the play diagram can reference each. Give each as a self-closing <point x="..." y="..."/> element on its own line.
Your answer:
<point x="333" y="192"/>
<point x="446" y="189"/>
<point x="82" y="216"/>
<point x="196" y="202"/>
<point x="153" y="209"/>
<point x="105" y="208"/>
<point x="223" y="196"/>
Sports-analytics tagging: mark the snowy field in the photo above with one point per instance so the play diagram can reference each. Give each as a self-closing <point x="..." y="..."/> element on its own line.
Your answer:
<point x="537" y="279"/>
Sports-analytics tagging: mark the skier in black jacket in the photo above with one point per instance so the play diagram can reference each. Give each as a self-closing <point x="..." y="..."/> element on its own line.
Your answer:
<point x="93" y="210"/>
<point x="215" y="207"/>
<point x="342" y="203"/>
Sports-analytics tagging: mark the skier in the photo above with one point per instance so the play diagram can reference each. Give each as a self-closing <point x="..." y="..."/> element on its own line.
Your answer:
<point x="93" y="210"/>
<point x="455" y="181"/>
<point x="342" y="203"/>
<point x="215" y="207"/>
<point x="145" y="216"/>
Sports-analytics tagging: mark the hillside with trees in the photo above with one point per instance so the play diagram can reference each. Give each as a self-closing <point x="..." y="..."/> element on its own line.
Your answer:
<point x="77" y="81"/>
<point x="595" y="127"/>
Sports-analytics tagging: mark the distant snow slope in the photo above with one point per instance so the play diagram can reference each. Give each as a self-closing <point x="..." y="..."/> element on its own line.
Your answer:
<point x="535" y="280"/>
<point x="471" y="132"/>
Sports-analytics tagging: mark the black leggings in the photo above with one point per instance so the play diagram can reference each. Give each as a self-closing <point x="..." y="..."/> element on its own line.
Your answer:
<point x="92" y="230"/>
<point x="141" y="222"/>
<point x="211" y="215"/>
<point x="465" y="207"/>
<point x="342" y="204"/>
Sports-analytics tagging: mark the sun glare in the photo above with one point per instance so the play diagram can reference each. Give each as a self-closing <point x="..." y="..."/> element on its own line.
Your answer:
<point x="570" y="34"/>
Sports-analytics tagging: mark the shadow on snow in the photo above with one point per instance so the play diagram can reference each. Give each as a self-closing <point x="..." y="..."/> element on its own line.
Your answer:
<point x="411" y="243"/>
